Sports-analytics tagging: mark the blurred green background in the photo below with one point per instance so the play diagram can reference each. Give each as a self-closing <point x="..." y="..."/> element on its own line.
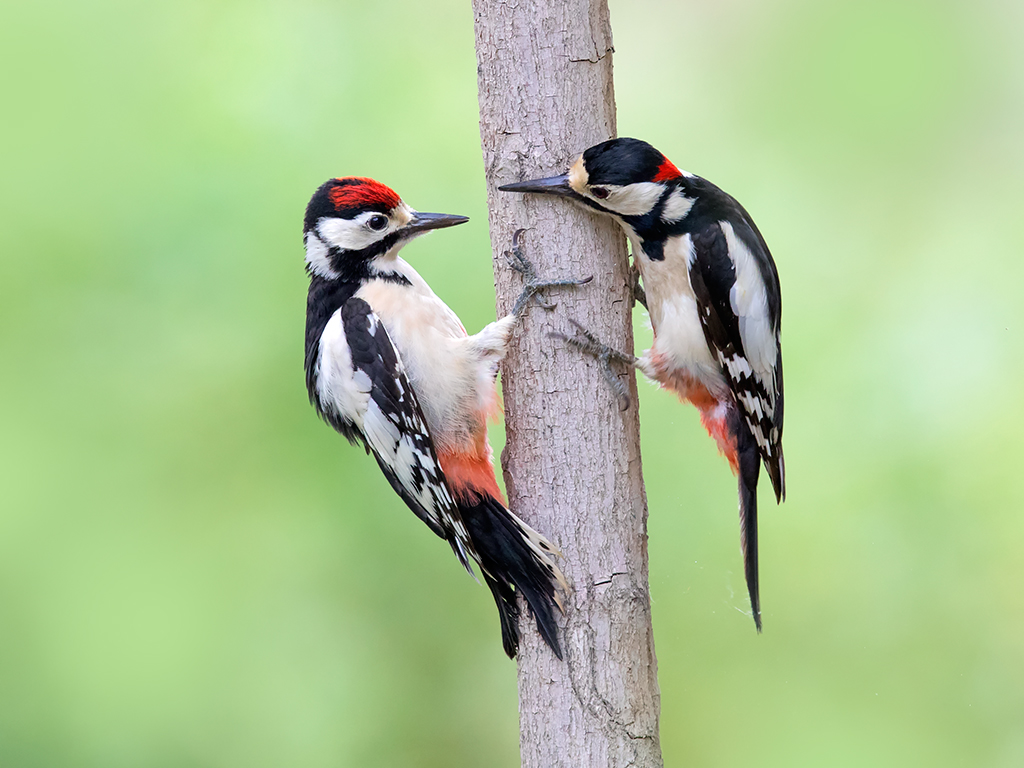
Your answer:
<point x="194" y="571"/>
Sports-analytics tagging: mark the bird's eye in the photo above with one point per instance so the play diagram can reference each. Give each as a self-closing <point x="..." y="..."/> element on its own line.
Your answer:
<point x="378" y="222"/>
<point x="600" y="193"/>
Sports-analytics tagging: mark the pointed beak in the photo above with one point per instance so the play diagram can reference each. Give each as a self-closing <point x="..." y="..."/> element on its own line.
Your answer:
<point x="553" y="185"/>
<point x="424" y="222"/>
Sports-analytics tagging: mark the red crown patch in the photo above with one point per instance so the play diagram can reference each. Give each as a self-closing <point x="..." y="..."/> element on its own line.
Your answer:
<point x="360" y="192"/>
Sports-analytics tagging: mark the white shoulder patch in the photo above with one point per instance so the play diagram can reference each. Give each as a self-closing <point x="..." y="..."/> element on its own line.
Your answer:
<point x="340" y="387"/>
<point x="749" y="300"/>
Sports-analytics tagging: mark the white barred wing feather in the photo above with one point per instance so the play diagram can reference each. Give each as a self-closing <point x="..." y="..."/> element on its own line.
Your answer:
<point x="362" y="383"/>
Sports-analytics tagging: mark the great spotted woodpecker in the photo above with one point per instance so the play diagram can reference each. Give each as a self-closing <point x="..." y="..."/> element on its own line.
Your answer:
<point x="389" y="365"/>
<point x="712" y="292"/>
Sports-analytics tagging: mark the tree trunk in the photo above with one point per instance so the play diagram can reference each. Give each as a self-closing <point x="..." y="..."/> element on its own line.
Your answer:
<point x="572" y="460"/>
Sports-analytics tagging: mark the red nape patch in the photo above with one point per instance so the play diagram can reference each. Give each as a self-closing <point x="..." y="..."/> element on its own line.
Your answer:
<point x="667" y="171"/>
<point x="360" y="192"/>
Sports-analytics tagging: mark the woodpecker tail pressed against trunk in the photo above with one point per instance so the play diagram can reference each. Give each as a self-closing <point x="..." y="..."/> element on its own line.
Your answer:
<point x="713" y="295"/>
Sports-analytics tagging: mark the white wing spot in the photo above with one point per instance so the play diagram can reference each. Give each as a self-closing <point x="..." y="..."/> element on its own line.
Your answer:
<point x="738" y="366"/>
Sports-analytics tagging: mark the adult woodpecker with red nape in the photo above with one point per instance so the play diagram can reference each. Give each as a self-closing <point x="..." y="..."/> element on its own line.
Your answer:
<point x="712" y="292"/>
<point x="389" y="365"/>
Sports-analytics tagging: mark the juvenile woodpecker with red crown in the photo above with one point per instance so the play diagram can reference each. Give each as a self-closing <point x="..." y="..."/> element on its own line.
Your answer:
<point x="390" y="366"/>
<point x="712" y="292"/>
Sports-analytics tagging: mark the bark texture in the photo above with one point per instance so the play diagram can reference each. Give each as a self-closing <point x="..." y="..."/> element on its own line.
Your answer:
<point x="572" y="461"/>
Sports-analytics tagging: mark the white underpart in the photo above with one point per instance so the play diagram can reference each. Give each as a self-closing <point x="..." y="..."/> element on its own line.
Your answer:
<point x="676" y="207"/>
<point x="749" y="301"/>
<point x="678" y="333"/>
<point x="316" y="256"/>
<point x="632" y="199"/>
<point x="452" y="373"/>
<point x="346" y="392"/>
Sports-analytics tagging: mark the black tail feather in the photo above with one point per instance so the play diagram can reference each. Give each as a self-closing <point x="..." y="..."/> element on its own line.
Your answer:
<point x="749" y="470"/>
<point x="508" y="614"/>
<point x="776" y="467"/>
<point x="511" y="563"/>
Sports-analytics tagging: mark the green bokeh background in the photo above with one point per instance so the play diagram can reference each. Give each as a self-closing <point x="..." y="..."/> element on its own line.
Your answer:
<point x="194" y="571"/>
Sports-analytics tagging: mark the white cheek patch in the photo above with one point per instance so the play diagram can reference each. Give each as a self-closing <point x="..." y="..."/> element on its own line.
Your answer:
<point x="750" y="303"/>
<point x="316" y="256"/>
<point x="676" y="207"/>
<point x="633" y="199"/>
<point x="348" y="234"/>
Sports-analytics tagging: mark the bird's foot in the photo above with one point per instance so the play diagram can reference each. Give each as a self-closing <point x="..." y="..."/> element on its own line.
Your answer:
<point x="586" y="342"/>
<point x="532" y="284"/>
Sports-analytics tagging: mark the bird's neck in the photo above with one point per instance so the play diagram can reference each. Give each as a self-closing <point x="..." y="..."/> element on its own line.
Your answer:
<point x="390" y="268"/>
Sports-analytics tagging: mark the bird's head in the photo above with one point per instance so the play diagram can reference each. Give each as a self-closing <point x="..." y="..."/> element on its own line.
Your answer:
<point x="353" y="224"/>
<point x="625" y="178"/>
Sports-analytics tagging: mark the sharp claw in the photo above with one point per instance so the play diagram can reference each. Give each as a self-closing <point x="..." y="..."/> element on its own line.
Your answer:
<point x="517" y="261"/>
<point x="548" y="305"/>
<point x="575" y="324"/>
<point x="605" y="355"/>
<point x="517" y="238"/>
<point x="617" y="386"/>
<point x="599" y="349"/>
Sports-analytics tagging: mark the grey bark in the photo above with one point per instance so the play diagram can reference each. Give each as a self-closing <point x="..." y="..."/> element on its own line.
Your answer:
<point x="572" y="460"/>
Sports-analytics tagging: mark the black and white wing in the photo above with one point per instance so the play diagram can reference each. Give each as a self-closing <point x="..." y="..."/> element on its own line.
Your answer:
<point x="739" y="301"/>
<point x="361" y="389"/>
